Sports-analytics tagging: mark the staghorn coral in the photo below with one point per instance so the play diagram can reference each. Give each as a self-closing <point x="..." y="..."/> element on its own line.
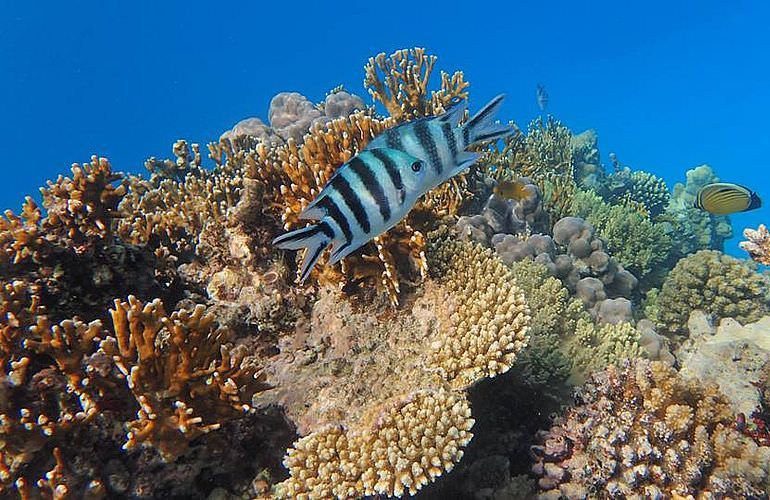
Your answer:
<point x="716" y="283"/>
<point x="357" y="378"/>
<point x="641" y="429"/>
<point x="81" y="208"/>
<point x="185" y="388"/>
<point x="400" y="83"/>
<point x="757" y="244"/>
<point x="639" y="244"/>
<point x="20" y="235"/>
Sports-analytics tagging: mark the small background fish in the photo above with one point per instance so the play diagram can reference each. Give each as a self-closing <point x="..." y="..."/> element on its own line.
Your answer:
<point x="542" y="96"/>
<point x="511" y="190"/>
<point x="723" y="198"/>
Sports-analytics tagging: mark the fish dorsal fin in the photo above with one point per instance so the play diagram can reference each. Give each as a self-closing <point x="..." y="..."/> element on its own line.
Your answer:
<point x="454" y="114"/>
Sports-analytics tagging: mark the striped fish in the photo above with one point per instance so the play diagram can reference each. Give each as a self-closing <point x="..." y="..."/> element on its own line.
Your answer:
<point x="440" y="141"/>
<point x="722" y="198"/>
<point x="364" y="198"/>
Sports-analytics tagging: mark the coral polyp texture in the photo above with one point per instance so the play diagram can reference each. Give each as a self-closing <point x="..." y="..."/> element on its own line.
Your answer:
<point x="715" y="283"/>
<point x="642" y="430"/>
<point x="757" y="244"/>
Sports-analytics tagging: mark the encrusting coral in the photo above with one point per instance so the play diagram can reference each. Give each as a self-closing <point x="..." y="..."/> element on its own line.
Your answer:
<point x="757" y="244"/>
<point x="715" y="283"/>
<point x="357" y="395"/>
<point x="643" y="430"/>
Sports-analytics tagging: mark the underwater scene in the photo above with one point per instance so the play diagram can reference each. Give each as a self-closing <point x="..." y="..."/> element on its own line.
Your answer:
<point x="394" y="289"/>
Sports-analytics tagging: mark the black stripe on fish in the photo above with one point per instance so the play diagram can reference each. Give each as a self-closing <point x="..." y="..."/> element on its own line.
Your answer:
<point x="393" y="139"/>
<point x="325" y="228"/>
<point x="466" y="136"/>
<point x="484" y="137"/>
<point x="341" y="185"/>
<point x="428" y="144"/>
<point x="372" y="184"/>
<point x="390" y="167"/>
<point x="313" y="258"/>
<point x="333" y="211"/>
<point x="449" y="137"/>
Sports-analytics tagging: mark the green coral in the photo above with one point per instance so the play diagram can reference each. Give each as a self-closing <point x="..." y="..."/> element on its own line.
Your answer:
<point x="696" y="229"/>
<point x="595" y="347"/>
<point x="713" y="282"/>
<point x="554" y="316"/>
<point x="639" y="244"/>
<point x="639" y="187"/>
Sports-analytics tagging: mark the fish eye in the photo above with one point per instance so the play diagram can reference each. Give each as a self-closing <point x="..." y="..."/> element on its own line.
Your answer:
<point x="416" y="166"/>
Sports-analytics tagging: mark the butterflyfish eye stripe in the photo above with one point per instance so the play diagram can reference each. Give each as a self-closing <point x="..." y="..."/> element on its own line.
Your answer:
<point x="333" y="211"/>
<point x="352" y="201"/>
<point x="449" y="137"/>
<point x="427" y="143"/>
<point x="371" y="184"/>
<point x="390" y="168"/>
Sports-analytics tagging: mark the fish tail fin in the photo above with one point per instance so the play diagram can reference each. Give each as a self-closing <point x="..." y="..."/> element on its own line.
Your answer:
<point x="314" y="239"/>
<point x="482" y="128"/>
<point x="755" y="202"/>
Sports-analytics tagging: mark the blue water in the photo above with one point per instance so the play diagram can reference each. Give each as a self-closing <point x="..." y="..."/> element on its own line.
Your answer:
<point x="668" y="86"/>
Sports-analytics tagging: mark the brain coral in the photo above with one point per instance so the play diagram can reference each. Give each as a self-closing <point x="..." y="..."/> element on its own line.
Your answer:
<point x="642" y="431"/>
<point x="716" y="283"/>
<point x="381" y="399"/>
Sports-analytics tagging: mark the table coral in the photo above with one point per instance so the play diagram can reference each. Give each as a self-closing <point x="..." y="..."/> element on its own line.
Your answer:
<point x="757" y="244"/>
<point x="716" y="283"/>
<point x="642" y="429"/>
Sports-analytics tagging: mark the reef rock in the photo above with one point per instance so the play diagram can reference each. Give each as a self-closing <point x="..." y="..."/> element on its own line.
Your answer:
<point x="731" y="356"/>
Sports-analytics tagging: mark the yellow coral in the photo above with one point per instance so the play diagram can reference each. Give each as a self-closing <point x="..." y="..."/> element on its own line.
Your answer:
<point x="489" y="321"/>
<point x="406" y="446"/>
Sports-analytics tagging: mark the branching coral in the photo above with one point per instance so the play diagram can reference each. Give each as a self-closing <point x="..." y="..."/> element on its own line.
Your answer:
<point x="644" y="430"/>
<point x="400" y="83"/>
<point x="81" y="208"/>
<point x="638" y="187"/>
<point x="185" y="382"/>
<point x="594" y="347"/>
<point x="716" y="283"/>
<point x="757" y="244"/>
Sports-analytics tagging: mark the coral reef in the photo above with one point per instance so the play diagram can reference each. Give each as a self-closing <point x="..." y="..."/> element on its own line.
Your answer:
<point x="290" y="174"/>
<point x="715" y="283"/>
<point x="642" y="429"/>
<point x="637" y="243"/>
<point x="757" y="244"/>
<point x="695" y="228"/>
<point x="638" y="189"/>
<point x="356" y="382"/>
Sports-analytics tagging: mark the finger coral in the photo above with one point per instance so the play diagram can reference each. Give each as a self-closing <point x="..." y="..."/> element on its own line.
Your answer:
<point x="643" y="430"/>
<point x="715" y="283"/>
<point x="757" y="244"/>
<point x="356" y="383"/>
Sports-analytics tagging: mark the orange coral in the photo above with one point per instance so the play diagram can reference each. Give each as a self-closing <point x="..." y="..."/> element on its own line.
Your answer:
<point x="81" y="208"/>
<point x="185" y="382"/>
<point x="757" y="244"/>
<point x="20" y="236"/>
